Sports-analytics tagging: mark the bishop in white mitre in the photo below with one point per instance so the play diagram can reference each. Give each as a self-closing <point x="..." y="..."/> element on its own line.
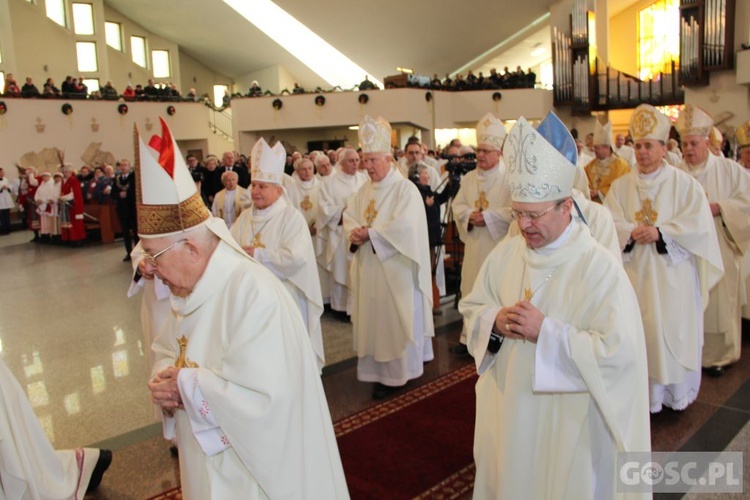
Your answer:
<point x="727" y="186"/>
<point x="332" y="201"/>
<point x="386" y="225"/>
<point x="743" y="143"/>
<point x="671" y="254"/>
<point x="555" y="331"/>
<point x="234" y="372"/>
<point x="481" y="208"/>
<point x="275" y="234"/>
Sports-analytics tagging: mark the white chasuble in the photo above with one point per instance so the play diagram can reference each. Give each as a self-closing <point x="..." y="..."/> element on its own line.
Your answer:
<point x="256" y="381"/>
<point x="551" y="416"/>
<point x="391" y="283"/>
<point x="672" y="287"/>
<point x="332" y="200"/>
<point x="727" y="184"/>
<point x="488" y="191"/>
<point x="31" y="468"/>
<point x="282" y="243"/>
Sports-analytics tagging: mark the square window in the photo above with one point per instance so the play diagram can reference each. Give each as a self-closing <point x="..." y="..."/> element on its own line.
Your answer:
<point x="83" y="19"/>
<point x="92" y="84"/>
<point x="86" y="52"/>
<point x="113" y="34"/>
<point x="56" y="11"/>
<point x="2" y="82"/>
<point x="138" y="48"/>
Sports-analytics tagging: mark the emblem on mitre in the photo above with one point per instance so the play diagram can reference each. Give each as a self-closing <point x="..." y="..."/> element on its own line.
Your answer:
<point x="648" y="122"/>
<point x="537" y="171"/>
<point x="694" y="121"/>
<point x="375" y="135"/>
<point x="167" y="200"/>
<point x="743" y="135"/>
<point x="268" y="162"/>
<point x="491" y="131"/>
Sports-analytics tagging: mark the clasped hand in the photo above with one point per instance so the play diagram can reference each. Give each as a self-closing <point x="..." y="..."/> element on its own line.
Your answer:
<point x="165" y="392"/>
<point x="477" y="219"/>
<point x="359" y="235"/>
<point x="523" y="321"/>
<point x="644" y="235"/>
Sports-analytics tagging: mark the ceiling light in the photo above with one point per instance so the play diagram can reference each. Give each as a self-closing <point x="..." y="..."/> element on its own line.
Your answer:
<point x="354" y="127"/>
<point x="407" y="71"/>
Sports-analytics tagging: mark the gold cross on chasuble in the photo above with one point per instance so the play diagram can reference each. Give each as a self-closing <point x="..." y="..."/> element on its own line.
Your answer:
<point x="182" y="360"/>
<point x="370" y="213"/>
<point x="647" y="216"/>
<point x="256" y="241"/>
<point x="527" y="294"/>
<point x="306" y="204"/>
<point x="482" y="203"/>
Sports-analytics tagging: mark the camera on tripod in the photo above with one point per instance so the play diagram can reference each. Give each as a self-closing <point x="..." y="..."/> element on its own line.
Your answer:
<point x="459" y="166"/>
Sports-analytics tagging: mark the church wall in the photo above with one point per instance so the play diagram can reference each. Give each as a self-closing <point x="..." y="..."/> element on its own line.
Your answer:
<point x="267" y="78"/>
<point x="202" y="79"/>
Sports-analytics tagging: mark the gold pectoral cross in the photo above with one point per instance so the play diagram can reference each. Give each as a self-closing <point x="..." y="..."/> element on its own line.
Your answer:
<point x="527" y="294"/>
<point x="182" y="360"/>
<point x="256" y="241"/>
<point x="306" y="204"/>
<point x="647" y="216"/>
<point x="482" y="203"/>
<point x="370" y="213"/>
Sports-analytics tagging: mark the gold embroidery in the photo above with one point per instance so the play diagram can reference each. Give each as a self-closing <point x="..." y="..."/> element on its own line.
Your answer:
<point x="306" y="204"/>
<point x="482" y="203"/>
<point x="256" y="241"/>
<point x="644" y="123"/>
<point x="370" y="213"/>
<point x="182" y="360"/>
<point x="527" y="294"/>
<point x="647" y="216"/>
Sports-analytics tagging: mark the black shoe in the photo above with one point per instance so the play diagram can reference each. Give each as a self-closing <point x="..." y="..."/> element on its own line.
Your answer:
<point x="174" y="451"/>
<point x="459" y="350"/>
<point x="381" y="391"/>
<point x="126" y="258"/>
<point x="105" y="459"/>
<point x="714" y="371"/>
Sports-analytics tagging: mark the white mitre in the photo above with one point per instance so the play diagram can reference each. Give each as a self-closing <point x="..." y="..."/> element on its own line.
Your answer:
<point x="537" y="171"/>
<point x="268" y="162"/>
<point x="491" y="131"/>
<point x="375" y="135"/>
<point x="648" y="122"/>
<point x="603" y="134"/>
<point x="694" y="121"/>
<point x="167" y="200"/>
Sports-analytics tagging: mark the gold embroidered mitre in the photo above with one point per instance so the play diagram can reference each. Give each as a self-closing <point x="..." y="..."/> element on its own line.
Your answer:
<point x="694" y="121"/>
<point x="743" y="135"/>
<point x="648" y="122"/>
<point x="375" y="135"/>
<point x="491" y="131"/>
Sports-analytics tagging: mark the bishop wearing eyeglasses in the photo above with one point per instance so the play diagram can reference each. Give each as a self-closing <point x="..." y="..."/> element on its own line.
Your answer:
<point x="555" y="331"/>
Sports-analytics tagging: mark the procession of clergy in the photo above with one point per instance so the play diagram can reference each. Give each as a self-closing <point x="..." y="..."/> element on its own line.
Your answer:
<point x="581" y="316"/>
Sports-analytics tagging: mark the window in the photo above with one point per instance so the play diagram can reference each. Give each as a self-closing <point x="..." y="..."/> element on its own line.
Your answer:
<point x="92" y="84"/>
<point x="2" y="82"/>
<point x="138" y="48"/>
<point x="113" y="34"/>
<point x="56" y="11"/>
<point x="86" y="52"/>
<point x="658" y="38"/>
<point x="219" y="91"/>
<point x="160" y="61"/>
<point x="83" y="19"/>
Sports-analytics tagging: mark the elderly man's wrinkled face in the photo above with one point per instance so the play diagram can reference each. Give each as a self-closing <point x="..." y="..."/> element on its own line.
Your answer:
<point x="265" y="194"/>
<point x="649" y="154"/>
<point x="413" y="153"/>
<point x="619" y="140"/>
<point x="230" y="182"/>
<point x="171" y="265"/>
<point x="124" y="167"/>
<point x="324" y="166"/>
<point x="542" y="223"/>
<point x="377" y="165"/>
<point x="602" y="152"/>
<point x="192" y="161"/>
<point x="305" y="170"/>
<point x="228" y="159"/>
<point x="487" y="156"/>
<point x="349" y="162"/>
<point x="695" y="149"/>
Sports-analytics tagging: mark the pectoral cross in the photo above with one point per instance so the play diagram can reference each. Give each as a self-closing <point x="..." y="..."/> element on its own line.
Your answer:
<point x="182" y="360"/>
<point x="256" y="241"/>
<point x="306" y="204"/>
<point x="482" y="203"/>
<point x="527" y="294"/>
<point x="647" y="215"/>
<point x="370" y="213"/>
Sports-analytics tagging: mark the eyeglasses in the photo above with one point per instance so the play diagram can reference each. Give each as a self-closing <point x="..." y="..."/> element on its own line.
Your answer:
<point x="152" y="258"/>
<point x="532" y="216"/>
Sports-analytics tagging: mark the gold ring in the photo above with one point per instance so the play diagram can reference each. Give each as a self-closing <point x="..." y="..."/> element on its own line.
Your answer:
<point x="507" y="326"/>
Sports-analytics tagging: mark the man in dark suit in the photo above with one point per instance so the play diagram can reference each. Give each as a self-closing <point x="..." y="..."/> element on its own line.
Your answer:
<point x="123" y="192"/>
<point x="228" y="164"/>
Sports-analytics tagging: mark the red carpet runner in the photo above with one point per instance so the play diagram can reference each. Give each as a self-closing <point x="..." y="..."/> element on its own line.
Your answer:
<point x="417" y="445"/>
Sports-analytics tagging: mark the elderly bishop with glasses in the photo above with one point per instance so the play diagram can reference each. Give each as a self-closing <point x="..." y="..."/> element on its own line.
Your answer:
<point x="555" y="331"/>
<point x="234" y="373"/>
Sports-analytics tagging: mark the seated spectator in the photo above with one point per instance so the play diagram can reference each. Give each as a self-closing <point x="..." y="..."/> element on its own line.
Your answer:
<point x="81" y="87"/>
<point x="29" y="89"/>
<point x="191" y="95"/>
<point x="95" y="95"/>
<point x="297" y="89"/>
<point x="366" y="84"/>
<point x="129" y="93"/>
<point x="150" y="90"/>
<point x="108" y="91"/>
<point x="11" y="86"/>
<point x="48" y="91"/>
<point x="232" y="200"/>
<point x="67" y="86"/>
<point x="172" y="91"/>
<point x="139" y="92"/>
<point x="52" y="87"/>
<point x="255" y="90"/>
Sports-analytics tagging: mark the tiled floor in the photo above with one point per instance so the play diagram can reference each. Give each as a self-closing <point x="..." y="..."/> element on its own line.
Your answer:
<point x="72" y="338"/>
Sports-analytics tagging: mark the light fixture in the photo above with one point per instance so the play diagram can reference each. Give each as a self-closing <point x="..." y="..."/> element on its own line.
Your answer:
<point x="538" y="50"/>
<point x="407" y="71"/>
<point x="354" y="127"/>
